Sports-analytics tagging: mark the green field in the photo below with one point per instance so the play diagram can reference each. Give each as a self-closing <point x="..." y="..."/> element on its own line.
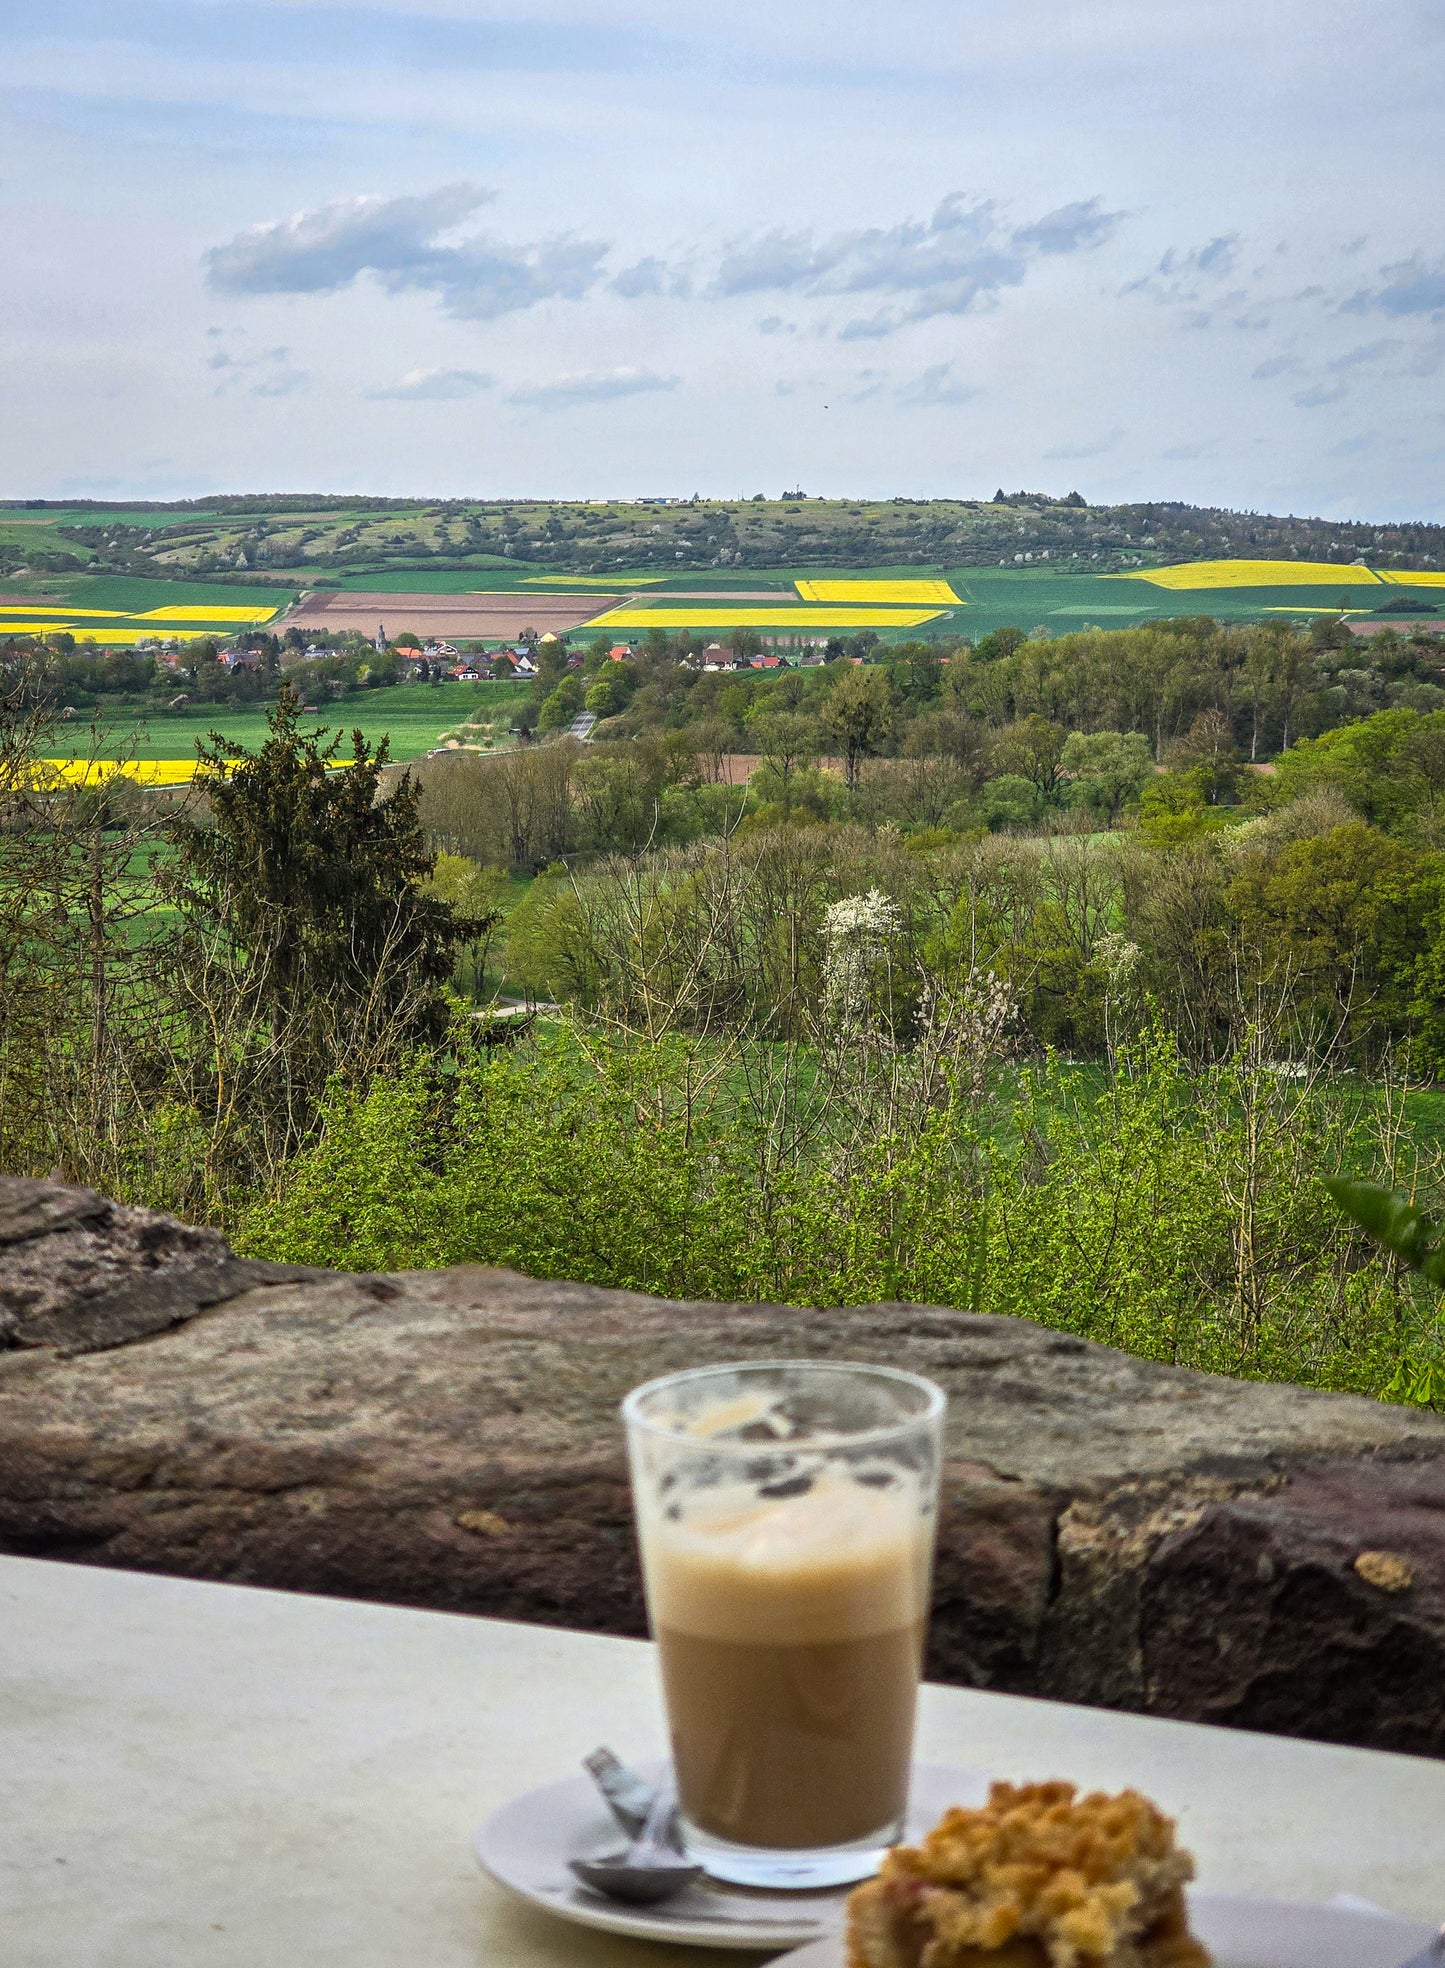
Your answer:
<point x="1058" y="599"/>
<point x="1063" y="600"/>
<point x="133" y="596"/>
<point x="414" y="716"/>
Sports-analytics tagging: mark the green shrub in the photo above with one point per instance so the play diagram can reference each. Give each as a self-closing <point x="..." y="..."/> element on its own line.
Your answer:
<point x="1174" y="1214"/>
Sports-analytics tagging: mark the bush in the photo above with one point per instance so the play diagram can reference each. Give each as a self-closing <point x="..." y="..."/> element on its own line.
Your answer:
<point x="611" y="692"/>
<point x="558" y="710"/>
<point x="1171" y="1213"/>
<point x="1010" y="801"/>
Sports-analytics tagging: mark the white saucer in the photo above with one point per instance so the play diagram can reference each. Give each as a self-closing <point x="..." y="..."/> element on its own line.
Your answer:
<point x="1252" y="1934"/>
<point x="525" y="1846"/>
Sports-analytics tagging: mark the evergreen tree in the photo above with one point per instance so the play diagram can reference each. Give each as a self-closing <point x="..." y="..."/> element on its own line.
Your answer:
<point x="307" y="945"/>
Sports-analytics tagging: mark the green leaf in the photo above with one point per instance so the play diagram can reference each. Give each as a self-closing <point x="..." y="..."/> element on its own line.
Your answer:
<point x="1392" y="1220"/>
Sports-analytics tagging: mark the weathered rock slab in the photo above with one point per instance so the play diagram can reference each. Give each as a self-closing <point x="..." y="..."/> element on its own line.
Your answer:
<point x="80" y="1274"/>
<point x="1113" y="1531"/>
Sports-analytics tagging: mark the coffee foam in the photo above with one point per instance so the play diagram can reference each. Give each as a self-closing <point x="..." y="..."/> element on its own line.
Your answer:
<point x="840" y="1562"/>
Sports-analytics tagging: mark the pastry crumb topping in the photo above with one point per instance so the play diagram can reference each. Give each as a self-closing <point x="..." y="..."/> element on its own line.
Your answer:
<point x="1038" y="1874"/>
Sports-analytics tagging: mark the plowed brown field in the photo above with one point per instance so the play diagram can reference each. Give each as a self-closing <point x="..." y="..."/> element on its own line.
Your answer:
<point x="474" y="617"/>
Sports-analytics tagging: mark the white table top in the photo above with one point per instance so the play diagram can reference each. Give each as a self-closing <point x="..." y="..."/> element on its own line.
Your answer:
<point x="208" y="1776"/>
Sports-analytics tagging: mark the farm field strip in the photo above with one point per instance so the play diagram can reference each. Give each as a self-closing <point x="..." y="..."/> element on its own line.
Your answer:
<point x="183" y="613"/>
<point x="1094" y="610"/>
<point x="37" y="609"/>
<point x="1203" y="574"/>
<point x="800" y="616"/>
<point x="906" y="592"/>
<point x="124" y="627"/>
<point x="1402" y="577"/>
<point x="588" y="582"/>
<point x="414" y="717"/>
<point x="145" y="772"/>
<point x="135" y="595"/>
<point x="478" y="616"/>
<point x="116" y="638"/>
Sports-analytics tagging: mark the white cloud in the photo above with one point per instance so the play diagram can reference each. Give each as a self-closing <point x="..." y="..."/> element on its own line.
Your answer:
<point x="591" y="386"/>
<point x="652" y="276"/>
<point x="1180" y="276"/>
<point x="936" y="388"/>
<point x="963" y="255"/>
<point x="1368" y="356"/>
<point x="1319" y="395"/>
<point x="397" y="240"/>
<point x="260" y="372"/>
<point x="1413" y="286"/>
<point x="433" y="386"/>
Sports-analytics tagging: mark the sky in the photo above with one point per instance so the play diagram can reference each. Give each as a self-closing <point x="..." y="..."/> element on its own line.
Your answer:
<point x="1148" y="249"/>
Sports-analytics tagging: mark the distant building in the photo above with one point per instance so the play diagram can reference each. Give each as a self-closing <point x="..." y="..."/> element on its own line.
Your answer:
<point x="381" y="638"/>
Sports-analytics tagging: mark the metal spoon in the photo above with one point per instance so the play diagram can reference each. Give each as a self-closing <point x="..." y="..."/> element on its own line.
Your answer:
<point x="651" y="1868"/>
<point x="628" y="1795"/>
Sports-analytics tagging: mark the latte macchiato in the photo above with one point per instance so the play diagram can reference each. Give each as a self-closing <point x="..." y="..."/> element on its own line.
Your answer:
<point x="787" y="1583"/>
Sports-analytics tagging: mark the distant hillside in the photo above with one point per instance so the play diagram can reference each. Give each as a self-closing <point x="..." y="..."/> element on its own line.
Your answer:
<point x="300" y="540"/>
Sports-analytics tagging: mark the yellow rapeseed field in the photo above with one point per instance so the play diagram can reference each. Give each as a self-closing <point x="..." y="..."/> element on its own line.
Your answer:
<point x="111" y="638"/>
<point x="146" y="772"/>
<point x="907" y="593"/>
<point x="726" y="615"/>
<point x="179" y="614"/>
<point x="69" y="614"/>
<point x="9" y="625"/>
<point x="1403" y="578"/>
<point x="114" y="626"/>
<point x="597" y="583"/>
<point x="1251" y="574"/>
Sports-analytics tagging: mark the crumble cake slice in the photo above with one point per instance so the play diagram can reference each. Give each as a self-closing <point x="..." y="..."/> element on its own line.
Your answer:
<point x="1036" y="1878"/>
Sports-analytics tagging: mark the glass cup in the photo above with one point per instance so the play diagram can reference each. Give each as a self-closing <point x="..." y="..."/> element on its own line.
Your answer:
<point x="787" y="1512"/>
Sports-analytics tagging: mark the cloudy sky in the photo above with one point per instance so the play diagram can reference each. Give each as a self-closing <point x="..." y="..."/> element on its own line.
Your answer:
<point x="1148" y="248"/>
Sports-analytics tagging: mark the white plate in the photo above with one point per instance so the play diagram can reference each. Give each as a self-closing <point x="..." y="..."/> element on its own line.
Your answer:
<point x="1253" y="1934"/>
<point x="525" y="1846"/>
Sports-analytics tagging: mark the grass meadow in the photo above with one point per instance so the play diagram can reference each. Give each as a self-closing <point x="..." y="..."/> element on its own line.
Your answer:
<point x="416" y="717"/>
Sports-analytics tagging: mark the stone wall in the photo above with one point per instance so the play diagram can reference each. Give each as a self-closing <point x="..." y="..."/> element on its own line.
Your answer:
<point x="1114" y="1532"/>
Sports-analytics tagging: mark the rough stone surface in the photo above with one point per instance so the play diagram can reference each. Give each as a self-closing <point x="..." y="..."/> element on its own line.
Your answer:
<point x="1315" y="1609"/>
<point x="80" y="1274"/>
<point x="29" y="1208"/>
<point x="1113" y="1531"/>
